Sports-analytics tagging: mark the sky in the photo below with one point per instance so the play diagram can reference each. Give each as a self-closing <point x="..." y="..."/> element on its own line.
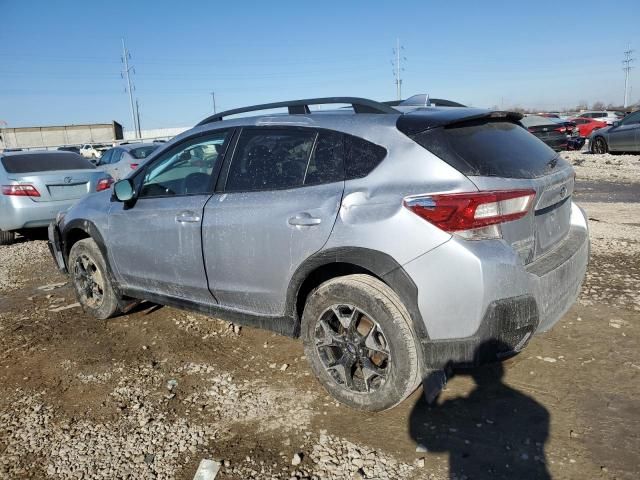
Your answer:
<point x="60" y="61"/>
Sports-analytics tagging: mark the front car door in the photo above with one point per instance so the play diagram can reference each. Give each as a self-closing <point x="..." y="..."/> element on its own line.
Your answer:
<point x="624" y="137"/>
<point x="276" y="203"/>
<point x="156" y="243"/>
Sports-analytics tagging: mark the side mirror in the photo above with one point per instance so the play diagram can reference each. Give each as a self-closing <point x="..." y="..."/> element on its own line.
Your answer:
<point x="123" y="190"/>
<point x="616" y="123"/>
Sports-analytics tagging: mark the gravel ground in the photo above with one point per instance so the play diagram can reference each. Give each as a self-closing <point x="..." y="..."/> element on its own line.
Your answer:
<point x="149" y="394"/>
<point x="606" y="167"/>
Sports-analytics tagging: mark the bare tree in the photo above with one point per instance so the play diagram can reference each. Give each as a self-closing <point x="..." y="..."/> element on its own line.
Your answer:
<point x="598" y="106"/>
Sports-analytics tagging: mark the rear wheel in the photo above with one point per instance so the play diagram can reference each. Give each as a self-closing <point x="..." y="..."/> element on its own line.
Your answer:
<point x="358" y="338"/>
<point x="7" y="238"/>
<point x="89" y="275"/>
<point x="600" y="145"/>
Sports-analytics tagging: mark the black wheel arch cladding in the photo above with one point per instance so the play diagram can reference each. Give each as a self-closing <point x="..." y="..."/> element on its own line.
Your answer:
<point x="361" y="260"/>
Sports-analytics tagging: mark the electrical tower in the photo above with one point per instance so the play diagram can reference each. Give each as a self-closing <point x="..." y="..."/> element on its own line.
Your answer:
<point x="126" y="73"/>
<point x="398" y="58"/>
<point x="627" y="69"/>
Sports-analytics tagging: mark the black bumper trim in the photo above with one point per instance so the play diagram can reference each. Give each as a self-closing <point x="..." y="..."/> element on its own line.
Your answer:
<point x="506" y="328"/>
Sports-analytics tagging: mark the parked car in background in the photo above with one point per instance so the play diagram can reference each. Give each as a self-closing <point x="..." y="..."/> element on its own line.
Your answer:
<point x="587" y="125"/>
<point x="92" y="151"/>
<point x="69" y="149"/>
<point x="120" y="161"/>
<point x="622" y="136"/>
<point x="36" y="185"/>
<point x="605" y="116"/>
<point x="548" y="130"/>
<point x="392" y="242"/>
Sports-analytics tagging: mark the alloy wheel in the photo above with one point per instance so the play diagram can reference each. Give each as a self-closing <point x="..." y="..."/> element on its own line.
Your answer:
<point x="599" y="146"/>
<point x="89" y="281"/>
<point x="352" y="348"/>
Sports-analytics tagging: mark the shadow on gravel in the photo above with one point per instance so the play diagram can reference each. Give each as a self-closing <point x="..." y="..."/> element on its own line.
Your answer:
<point x="495" y="432"/>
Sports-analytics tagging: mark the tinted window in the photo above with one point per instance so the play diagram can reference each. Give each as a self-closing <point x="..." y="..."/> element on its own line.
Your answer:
<point x="495" y="148"/>
<point x="142" y="152"/>
<point x="631" y="118"/>
<point x="270" y="159"/>
<point x="185" y="169"/>
<point x="361" y="157"/>
<point x="116" y="155"/>
<point x="326" y="164"/>
<point x="105" y="158"/>
<point x="45" y="162"/>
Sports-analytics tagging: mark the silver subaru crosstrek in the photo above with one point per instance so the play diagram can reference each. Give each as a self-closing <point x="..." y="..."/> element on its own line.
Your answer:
<point x="394" y="241"/>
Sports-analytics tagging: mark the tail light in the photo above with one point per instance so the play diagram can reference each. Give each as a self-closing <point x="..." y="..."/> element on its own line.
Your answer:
<point x="474" y="215"/>
<point x="23" y="190"/>
<point x="134" y="165"/>
<point x="560" y="129"/>
<point x="104" y="184"/>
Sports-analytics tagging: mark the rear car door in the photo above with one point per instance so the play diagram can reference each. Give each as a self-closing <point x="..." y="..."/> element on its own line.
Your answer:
<point x="276" y="204"/>
<point x="156" y="243"/>
<point x="624" y="137"/>
<point x="115" y="166"/>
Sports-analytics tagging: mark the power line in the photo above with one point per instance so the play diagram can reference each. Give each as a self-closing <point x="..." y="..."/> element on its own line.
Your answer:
<point x="397" y="66"/>
<point x="627" y="69"/>
<point x="126" y="72"/>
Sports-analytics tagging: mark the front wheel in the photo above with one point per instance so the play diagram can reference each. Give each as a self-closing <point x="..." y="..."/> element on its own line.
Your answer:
<point x="358" y="338"/>
<point x="600" y="145"/>
<point x="88" y="272"/>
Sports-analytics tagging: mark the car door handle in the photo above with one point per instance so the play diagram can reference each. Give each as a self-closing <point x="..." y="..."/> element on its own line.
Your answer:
<point x="304" y="220"/>
<point x="187" y="217"/>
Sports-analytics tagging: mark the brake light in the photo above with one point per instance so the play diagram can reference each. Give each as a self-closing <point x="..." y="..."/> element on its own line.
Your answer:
<point x="473" y="215"/>
<point x="23" y="190"/>
<point x="104" y="184"/>
<point x="560" y="129"/>
<point x="134" y="165"/>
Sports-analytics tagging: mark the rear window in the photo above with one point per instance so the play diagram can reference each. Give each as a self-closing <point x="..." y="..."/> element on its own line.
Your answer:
<point x="494" y="148"/>
<point x="45" y="162"/>
<point x="142" y="152"/>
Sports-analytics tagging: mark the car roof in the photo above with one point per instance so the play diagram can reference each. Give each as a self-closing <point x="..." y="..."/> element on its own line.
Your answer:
<point x="36" y="152"/>
<point x="132" y="146"/>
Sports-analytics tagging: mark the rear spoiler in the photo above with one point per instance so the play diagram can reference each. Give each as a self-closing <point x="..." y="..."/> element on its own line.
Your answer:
<point x="419" y="121"/>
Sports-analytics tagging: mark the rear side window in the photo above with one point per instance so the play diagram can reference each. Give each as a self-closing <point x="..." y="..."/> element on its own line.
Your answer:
<point x="270" y="159"/>
<point x="326" y="164"/>
<point x="361" y="157"/>
<point x="490" y="148"/>
<point x="45" y="162"/>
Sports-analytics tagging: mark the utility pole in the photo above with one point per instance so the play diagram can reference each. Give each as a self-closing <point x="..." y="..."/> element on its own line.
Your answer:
<point x="127" y="69"/>
<point x="213" y="97"/>
<point x="627" y="69"/>
<point x="397" y="67"/>
<point x="138" y="119"/>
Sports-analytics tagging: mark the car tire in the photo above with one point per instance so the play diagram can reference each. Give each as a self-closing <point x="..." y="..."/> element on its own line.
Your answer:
<point x="347" y="326"/>
<point x="90" y="278"/>
<point x="600" y="146"/>
<point x="7" y="238"/>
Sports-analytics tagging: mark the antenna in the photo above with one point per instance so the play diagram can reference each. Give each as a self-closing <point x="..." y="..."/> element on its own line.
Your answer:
<point x="627" y="69"/>
<point x="398" y="58"/>
<point x="127" y="69"/>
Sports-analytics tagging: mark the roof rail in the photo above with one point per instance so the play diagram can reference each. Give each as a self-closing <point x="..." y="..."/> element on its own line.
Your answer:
<point x="360" y="105"/>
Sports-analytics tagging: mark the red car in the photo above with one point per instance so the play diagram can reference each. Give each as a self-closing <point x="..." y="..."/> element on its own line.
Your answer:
<point x="587" y="125"/>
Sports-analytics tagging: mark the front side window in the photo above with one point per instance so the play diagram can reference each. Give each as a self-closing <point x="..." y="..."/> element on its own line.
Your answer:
<point x="116" y="155"/>
<point x="185" y="169"/>
<point x="105" y="159"/>
<point x="270" y="159"/>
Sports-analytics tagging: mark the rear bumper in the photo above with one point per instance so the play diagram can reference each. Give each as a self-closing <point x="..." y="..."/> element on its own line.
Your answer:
<point x="471" y="294"/>
<point x="22" y="212"/>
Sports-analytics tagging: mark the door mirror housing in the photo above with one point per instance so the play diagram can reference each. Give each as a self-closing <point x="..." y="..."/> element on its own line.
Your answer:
<point x="616" y="123"/>
<point x="123" y="190"/>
